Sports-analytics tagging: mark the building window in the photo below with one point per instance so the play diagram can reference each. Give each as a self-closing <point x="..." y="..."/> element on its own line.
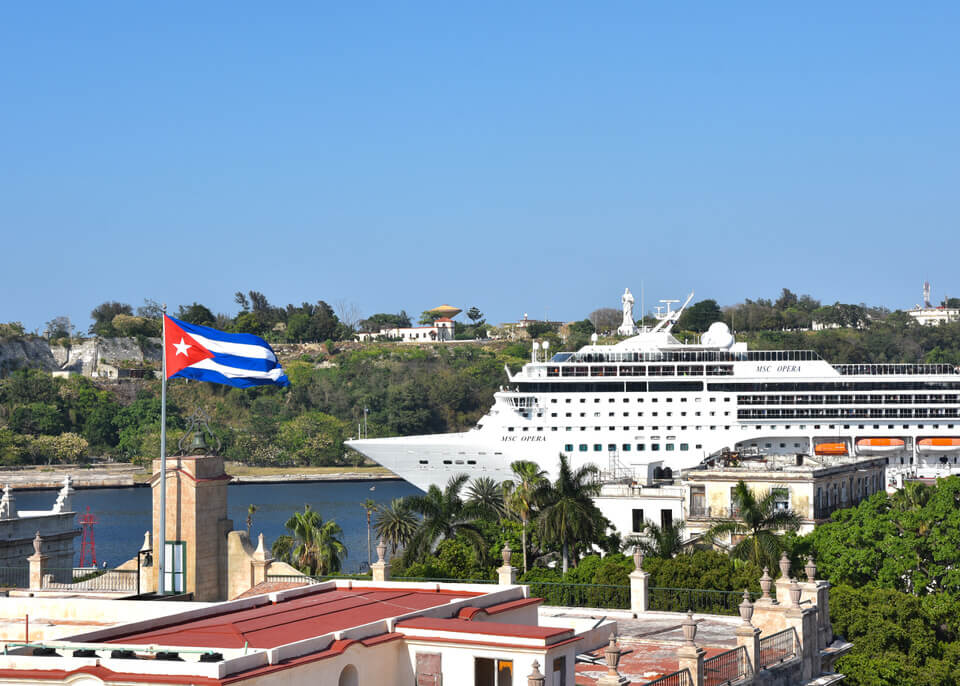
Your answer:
<point x="174" y="575"/>
<point x="568" y="448"/>
<point x="637" y="520"/>
<point x="684" y="446"/>
<point x="626" y="447"/>
<point x="669" y="446"/>
<point x="583" y="447"/>
<point x="490" y="672"/>
<point x="666" y="519"/>
<point x="611" y="447"/>
<point x="781" y="499"/>
<point x="641" y="446"/>
<point x="597" y="447"/>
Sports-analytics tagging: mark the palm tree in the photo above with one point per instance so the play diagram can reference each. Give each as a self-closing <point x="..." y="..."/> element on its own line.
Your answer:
<point x="757" y="521"/>
<point x="444" y="515"/>
<point x="370" y="505"/>
<point x="518" y="495"/>
<point x="567" y="513"/>
<point x="251" y="510"/>
<point x="396" y="524"/>
<point x="487" y="496"/>
<point x="315" y="547"/>
<point x="664" y="542"/>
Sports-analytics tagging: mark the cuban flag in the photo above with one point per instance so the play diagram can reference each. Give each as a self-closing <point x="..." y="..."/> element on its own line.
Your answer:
<point x="235" y="359"/>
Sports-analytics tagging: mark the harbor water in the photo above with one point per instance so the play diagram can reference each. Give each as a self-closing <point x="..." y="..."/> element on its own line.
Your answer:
<point x="123" y="514"/>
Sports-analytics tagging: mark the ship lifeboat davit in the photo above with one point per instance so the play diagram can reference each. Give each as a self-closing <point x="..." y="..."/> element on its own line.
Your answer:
<point x="830" y="449"/>
<point x="938" y="445"/>
<point x="879" y="446"/>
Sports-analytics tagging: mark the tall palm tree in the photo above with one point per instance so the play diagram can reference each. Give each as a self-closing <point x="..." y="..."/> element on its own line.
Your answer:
<point x="487" y="496"/>
<point x="567" y="513"/>
<point x="396" y="524"/>
<point x="370" y="506"/>
<point x="444" y="515"/>
<point x="758" y="522"/>
<point x="664" y="542"/>
<point x="518" y="495"/>
<point x="315" y="546"/>
<point x="251" y="510"/>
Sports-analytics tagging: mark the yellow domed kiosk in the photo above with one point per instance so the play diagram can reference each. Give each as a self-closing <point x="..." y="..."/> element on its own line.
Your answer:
<point x="446" y="311"/>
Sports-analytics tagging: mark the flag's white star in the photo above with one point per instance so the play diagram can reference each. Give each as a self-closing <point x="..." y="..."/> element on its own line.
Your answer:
<point x="182" y="347"/>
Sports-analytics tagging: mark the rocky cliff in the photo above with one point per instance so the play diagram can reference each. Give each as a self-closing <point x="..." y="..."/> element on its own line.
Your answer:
<point x="27" y="351"/>
<point x="81" y="357"/>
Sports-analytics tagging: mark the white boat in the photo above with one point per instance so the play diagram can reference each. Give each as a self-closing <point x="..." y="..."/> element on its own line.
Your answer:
<point x="651" y="398"/>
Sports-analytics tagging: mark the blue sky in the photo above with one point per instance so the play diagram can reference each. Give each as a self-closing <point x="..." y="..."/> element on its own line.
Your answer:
<point x="521" y="157"/>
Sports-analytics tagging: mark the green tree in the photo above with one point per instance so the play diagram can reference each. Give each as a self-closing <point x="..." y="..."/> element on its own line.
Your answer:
<point x="313" y="438"/>
<point x="102" y="316"/>
<point x="699" y="316"/>
<point x="59" y="327"/>
<point x="538" y="329"/>
<point x="196" y="314"/>
<point x="251" y="510"/>
<point x="519" y="495"/>
<point x="396" y="524"/>
<point x="474" y="315"/>
<point x="37" y="418"/>
<point x="444" y="515"/>
<point x="758" y="520"/>
<point x="659" y="541"/>
<point x="316" y="546"/>
<point x="567" y="513"/>
<point x="369" y="506"/>
<point x="486" y="495"/>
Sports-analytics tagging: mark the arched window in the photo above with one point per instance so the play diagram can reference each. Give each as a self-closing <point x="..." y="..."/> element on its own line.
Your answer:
<point x="349" y="677"/>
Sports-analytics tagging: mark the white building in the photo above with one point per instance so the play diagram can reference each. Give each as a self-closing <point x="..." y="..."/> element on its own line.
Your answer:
<point x="441" y="330"/>
<point x="932" y="316"/>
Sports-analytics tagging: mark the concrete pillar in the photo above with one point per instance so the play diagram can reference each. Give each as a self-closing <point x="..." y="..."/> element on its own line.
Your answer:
<point x="536" y="678"/>
<point x="639" y="586"/>
<point x="260" y="562"/>
<point x="612" y="654"/>
<point x="783" y="583"/>
<point x="38" y="563"/>
<point x="381" y="568"/>
<point x="689" y="655"/>
<point x="748" y="635"/>
<point x="507" y="574"/>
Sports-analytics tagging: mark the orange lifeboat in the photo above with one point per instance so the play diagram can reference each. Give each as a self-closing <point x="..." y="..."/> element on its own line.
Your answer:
<point x="830" y="449"/>
<point x="879" y="446"/>
<point x="938" y="445"/>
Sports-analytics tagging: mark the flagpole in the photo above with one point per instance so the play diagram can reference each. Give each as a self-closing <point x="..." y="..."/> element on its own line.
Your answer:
<point x="163" y="456"/>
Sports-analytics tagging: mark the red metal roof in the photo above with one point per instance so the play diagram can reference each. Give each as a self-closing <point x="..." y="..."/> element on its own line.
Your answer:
<point x="269" y="626"/>
<point x="484" y="628"/>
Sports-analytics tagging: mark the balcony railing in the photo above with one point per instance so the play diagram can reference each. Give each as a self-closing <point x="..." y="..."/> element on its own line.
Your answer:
<point x="15" y="577"/>
<point x="696" y="599"/>
<point x="700" y="511"/>
<point x="89" y="580"/>
<point x="681" y="678"/>
<point x="726" y="668"/>
<point x="777" y="647"/>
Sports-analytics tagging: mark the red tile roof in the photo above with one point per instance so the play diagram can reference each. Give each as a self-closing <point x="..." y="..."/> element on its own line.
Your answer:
<point x="276" y="624"/>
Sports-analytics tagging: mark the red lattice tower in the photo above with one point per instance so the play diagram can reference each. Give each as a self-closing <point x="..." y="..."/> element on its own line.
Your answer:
<point x="88" y="545"/>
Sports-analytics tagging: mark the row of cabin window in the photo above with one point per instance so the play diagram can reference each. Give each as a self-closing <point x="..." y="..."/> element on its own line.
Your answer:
<point x="853" y="413"/>
<point x="900" y="399"/>
<point x="626" y="447"/>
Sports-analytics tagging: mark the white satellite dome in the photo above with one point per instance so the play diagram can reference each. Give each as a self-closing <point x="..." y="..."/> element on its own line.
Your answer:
<point x="718" y="335"/>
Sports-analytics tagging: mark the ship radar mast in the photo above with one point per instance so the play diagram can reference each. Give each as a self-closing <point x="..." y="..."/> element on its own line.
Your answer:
<point x="670" y="317"/>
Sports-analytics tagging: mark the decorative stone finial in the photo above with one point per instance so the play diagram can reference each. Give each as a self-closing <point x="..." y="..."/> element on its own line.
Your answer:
<point x="689" y="629"/>
<point x="794" y="593"/>
<point x="536" y="678"/>
<point x="612" y="655"/>
<point x="261" y="552"/>
<point x="381" y="552"/>
<point x="505" y="554"/>
<point x="37" y="544"/>
<point x="746" y="608"/>
<point x="8" y="504"/>
<point x="784" y="565"/>
<point x="766" y="581"/>
<point x="64" y="502"/>
<point x="810" y="569"/>
<point x="638" y="559"/>
<point x="147" y="542"/>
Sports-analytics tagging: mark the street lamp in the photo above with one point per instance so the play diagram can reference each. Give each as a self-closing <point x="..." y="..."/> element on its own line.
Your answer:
<point x="365" y="411"/>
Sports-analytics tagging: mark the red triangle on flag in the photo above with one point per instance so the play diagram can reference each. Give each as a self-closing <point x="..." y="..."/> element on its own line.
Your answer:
<point x="181" y="349"/>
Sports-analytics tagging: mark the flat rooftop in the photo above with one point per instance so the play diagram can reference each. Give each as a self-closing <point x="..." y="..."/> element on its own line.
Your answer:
<point x="296" y="619"/>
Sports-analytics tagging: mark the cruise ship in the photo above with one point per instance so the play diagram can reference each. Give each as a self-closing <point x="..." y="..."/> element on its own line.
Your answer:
<point x="653" y="400"/>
